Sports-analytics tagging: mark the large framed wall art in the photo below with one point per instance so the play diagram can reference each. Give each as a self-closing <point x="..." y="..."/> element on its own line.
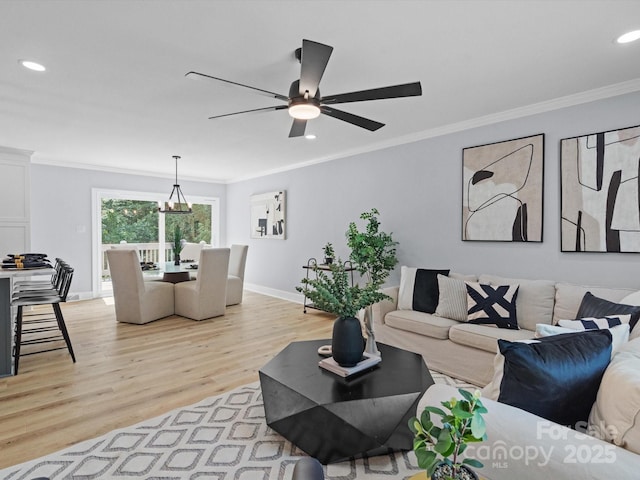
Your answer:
<point x="600" y="203"/>
<point x="502" y="187"/>
<point x="268" y="215"/>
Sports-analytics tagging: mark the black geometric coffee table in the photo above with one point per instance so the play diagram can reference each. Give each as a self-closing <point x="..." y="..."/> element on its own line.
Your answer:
<point x="333" y="419"/>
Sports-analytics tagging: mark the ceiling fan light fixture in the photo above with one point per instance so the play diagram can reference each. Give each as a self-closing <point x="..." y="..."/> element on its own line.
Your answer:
<point x="629" y="37"/>
<point x="31" y="65"/>
<point x="304" y="109"/>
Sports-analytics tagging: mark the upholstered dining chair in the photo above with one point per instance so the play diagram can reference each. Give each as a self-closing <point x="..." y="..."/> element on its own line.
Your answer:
<point x="137" y="301"/>
<point x="205" y="297"/>
<point x="191" y="251"/>
<point x="235" y="280"/>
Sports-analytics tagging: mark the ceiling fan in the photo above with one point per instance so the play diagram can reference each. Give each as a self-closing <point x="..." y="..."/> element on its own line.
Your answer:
<point x="305" y="102"/>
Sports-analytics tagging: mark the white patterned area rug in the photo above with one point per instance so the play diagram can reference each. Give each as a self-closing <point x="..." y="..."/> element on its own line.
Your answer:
<point x="221" y="438"/>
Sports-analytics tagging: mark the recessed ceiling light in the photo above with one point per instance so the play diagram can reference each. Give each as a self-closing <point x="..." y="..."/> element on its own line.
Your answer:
<point x="629" y="37"/>
<point x="311" y="136"/>
<point x="32" y="65"/>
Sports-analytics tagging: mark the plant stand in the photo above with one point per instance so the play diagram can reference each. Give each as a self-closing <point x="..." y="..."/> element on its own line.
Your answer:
<point x="312" y="264"/>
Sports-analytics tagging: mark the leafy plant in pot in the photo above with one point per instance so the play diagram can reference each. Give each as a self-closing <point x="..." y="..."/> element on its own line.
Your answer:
<point x="333" y="293"/>
<point x="373" y="254"/>
<point x="329" y="253"/>
<point x="438" y="448"/>
<point x="177" y="245"/>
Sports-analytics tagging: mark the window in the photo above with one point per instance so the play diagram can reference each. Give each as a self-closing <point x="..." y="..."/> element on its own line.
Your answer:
<point x="133" y="218"/>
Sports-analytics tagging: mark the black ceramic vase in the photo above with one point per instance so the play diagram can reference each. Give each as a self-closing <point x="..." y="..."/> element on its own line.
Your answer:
<point x="347" y="343"/>
<point x="176" y="259"/>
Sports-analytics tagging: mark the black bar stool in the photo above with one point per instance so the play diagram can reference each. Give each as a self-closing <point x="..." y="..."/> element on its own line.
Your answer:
<point x="37" y="326"/>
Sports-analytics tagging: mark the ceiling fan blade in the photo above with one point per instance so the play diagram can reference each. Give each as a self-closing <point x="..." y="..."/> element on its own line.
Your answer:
<point x="265" y="109"/>
<point x="406" y="90"/>
<point x="297" y="128"/>
<point x="264" y="92"/>
<point x="314" y="59"/>
<point x="370" y="125"/>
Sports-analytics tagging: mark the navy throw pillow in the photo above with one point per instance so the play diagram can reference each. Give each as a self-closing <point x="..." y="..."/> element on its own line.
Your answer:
<point x="592" y="306"/>
<point x="556" y="377"/>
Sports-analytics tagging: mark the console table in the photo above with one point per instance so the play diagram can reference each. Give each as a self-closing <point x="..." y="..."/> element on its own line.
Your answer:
<point x="6" y="335"/>
<point x="332" y="418"/>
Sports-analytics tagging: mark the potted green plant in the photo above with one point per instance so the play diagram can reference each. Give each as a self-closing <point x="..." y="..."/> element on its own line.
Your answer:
<point x="373" y="255"/>
<point x="333" y="292"/>
<point x="329" y="254"/>
<point x="438" y="448"/>
<point x="177" y="244"/>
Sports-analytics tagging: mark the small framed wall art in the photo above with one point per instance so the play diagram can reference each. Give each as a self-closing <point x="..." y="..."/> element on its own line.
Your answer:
<point x="502" y="191"/>
<point x="600" y="201"/>
<point x="268" y="215"/>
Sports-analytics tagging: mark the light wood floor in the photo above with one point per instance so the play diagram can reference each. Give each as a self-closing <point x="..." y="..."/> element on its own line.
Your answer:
<point x="128" y="373"/>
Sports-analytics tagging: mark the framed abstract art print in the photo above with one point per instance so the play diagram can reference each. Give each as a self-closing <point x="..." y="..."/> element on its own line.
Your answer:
<point x="502" y="187"/>
<point x="268" y="215"/>
<point x="600" y="200"/>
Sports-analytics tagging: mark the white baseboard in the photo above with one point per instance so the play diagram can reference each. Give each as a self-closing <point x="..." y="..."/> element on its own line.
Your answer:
<point x="272" y="292"/>
<point x="76" y="296"/>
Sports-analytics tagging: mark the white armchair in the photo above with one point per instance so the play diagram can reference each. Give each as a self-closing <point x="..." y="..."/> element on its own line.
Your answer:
<point x="205" y="297"/>
<point x="137" y="301"/>
<point x="235" y="281"/>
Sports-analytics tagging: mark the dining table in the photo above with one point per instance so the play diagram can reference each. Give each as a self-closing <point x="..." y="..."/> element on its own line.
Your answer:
<point x="169" y="272"/>
<point x="7" y="277"/>
<point x="178" y="273"/>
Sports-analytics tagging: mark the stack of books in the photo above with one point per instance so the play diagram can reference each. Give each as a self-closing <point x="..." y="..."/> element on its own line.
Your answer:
<point x="368" y="361"/>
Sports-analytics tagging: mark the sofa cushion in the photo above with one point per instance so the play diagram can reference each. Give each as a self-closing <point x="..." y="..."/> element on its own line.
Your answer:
<point x="555" y="377"/>
<point x="492" y="304"/>
<point x="592" y="306"/>
<point x="421" y="323"/>
<point x="633" y="299"/>
<point x="484" y="337"/>
<point x="419" y="289"/>
<point x="535" y="299"/>
<point x="569" y="297"/>
<point x="615" y="415"/>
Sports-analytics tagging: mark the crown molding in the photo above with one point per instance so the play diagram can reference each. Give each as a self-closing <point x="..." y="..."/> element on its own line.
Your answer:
<point x="126" y="171"/>
<point x="602" y="93"/>
<point x="512" y="114"/>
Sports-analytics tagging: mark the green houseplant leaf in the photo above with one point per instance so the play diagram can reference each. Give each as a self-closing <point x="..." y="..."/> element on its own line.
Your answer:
<point x="372" y="255"/>
<point x="462" y="423"/>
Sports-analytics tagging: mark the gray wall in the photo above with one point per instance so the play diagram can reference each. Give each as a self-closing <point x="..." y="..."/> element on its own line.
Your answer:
<point x="417" y="188"/>
<point x="61" y="206"/>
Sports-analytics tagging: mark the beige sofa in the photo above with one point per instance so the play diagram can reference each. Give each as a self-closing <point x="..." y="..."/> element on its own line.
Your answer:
<point x="527" y="447"/>
<point x="466" y="351"/>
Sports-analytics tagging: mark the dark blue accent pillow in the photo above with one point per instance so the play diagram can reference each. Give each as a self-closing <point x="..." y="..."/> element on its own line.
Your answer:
<point x="425" y="290"/>
<point x="592" y="306"/>
<point x="556" y="377"/>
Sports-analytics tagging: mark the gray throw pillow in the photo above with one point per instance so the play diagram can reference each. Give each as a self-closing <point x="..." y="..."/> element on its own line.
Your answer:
<point x="452" y="302"/>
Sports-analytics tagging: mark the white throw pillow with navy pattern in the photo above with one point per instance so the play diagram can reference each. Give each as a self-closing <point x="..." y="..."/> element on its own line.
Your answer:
<point x="593" y="323"/>
<point x="492" y="304"/>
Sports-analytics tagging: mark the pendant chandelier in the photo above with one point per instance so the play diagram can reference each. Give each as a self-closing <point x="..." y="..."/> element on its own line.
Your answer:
<point x="179" y="205"/>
